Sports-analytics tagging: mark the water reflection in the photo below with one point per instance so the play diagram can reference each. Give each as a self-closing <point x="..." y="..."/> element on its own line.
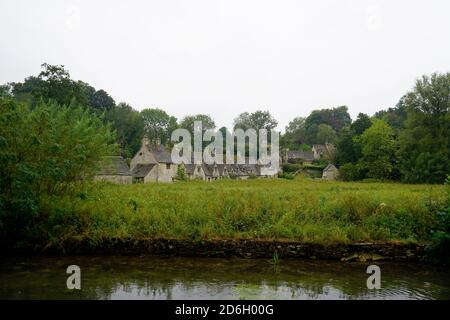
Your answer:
<point x="147" y="277"/>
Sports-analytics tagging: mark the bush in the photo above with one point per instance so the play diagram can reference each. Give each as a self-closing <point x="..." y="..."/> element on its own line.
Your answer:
<point x="288" y="176"/>
<point x="439" y="250"/>
<point x="351" y="172"/>
<point x="291" y="167"/>
<point x="181" y="173"/>
<point x="43" y="151"/>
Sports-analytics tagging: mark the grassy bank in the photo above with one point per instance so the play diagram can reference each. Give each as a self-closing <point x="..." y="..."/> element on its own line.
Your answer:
<point x="301" y="210"/>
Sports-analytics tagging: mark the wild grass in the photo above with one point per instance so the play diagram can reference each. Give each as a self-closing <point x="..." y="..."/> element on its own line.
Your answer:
<point x="301" y="209"/>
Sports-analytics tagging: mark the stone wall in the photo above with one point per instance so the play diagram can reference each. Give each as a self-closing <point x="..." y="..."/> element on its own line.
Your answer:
<point x="115" y="179"/>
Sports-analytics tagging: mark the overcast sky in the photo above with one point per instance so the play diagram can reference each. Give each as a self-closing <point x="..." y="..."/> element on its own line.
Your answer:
<point x="225" y="57"/>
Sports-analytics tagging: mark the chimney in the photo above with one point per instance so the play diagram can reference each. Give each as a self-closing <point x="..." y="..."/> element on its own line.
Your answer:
<point x="145" y="141"/>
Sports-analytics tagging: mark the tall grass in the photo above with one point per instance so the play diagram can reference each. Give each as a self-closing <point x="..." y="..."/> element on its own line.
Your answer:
<point x="301" y="209"/>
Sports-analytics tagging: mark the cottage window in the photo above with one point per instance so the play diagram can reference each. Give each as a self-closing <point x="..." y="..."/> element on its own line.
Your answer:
<point x="167" y="166"/>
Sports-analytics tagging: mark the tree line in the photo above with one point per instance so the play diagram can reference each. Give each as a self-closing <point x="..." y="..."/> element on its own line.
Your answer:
<point x="408" y="142"/>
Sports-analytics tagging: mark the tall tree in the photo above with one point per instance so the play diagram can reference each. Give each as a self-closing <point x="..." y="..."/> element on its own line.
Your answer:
<point x="361" y="123"/>
<point x="294" y="137"/>
<point x="378" y="150"/>
<point x="325" y="134"/>
<point x="129" y="128"/>
<point x="101" y="101"/>
<point x="188" y="122"/>
<point x="256" y="120"/>
<point x="43" y="150"/>
<point x="424" y="144"/>
<point x="158" y="124"/>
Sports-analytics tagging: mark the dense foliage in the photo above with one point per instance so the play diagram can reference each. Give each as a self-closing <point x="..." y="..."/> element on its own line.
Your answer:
<point x="410" y="142"/>
<point x="297" y="209"/>
<point x="43" y="151"/>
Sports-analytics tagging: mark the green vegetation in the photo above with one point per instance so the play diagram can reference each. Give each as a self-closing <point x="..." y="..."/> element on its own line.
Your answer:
<point x="54" y="131"/>
<point x="44" y="150"/>
<point x="409" y="142"/>
<point x="301" y="209"/>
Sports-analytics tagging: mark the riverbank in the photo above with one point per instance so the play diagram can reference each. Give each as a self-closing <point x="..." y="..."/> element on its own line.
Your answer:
<point x="253" y="218"/>
<point x="244" y="249"/>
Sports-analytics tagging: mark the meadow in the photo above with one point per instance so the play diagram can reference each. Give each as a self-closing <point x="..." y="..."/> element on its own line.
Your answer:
<point x="302" y="209"/>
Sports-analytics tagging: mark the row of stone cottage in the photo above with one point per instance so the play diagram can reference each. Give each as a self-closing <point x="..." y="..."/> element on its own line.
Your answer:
<point x="153" y="163"/>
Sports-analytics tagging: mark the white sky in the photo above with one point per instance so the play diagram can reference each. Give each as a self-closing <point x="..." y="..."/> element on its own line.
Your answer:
<point x="226" y="57"/>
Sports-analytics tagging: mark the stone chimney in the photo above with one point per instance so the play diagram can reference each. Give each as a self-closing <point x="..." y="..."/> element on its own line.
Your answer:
<point x="145" y="141"/>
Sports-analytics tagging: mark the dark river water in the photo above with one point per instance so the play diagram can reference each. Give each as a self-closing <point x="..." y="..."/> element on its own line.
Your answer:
<point x="124" y="277"/>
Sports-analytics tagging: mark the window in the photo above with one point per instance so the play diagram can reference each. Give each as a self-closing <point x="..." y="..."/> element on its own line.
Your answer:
<point x="167" y="166"/>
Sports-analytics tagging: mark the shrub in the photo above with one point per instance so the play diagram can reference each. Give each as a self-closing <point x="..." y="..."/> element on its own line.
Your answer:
<point x="351" y="172"/>
<point x="291" y="167"/>
<point x="43" y="151"/>
<point x="439" y="250"/>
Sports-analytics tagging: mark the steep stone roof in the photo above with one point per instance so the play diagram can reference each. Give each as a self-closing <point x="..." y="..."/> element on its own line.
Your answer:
<point x="161" y="154"/>
<point x="190" y="168"/>
<point x="142" y="169"/>
<point x="330" y="167"/>
<point x="114" y="166"/>
<point x="302" y="155"/>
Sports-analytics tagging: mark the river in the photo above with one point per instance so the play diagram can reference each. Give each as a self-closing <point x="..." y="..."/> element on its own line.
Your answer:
<point x="150" y="277"/>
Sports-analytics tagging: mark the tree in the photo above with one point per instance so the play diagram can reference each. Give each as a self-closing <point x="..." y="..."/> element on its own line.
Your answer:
<point x="158" y="124"/>
<point x="337" y="118"/>
<point x="54" y="83"/>
<point x="188" y="122"/>
<point x="378" y="150"/>
<point x="295" y="135"/>
<point x="325" y="134"/>
<point x="43" y="151"/>
<point x="424" y="144"/>
<point x="256" y="120"/>
<point x="347" y="148"/>
<point x="129" y="128"/>
<point x="361" y="123"/>
<point x="396" y="116"/>
<point x="6" y="90"/>
<point x="102" y="101"/>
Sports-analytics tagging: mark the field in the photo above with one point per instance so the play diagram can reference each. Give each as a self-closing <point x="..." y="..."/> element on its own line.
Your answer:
<point x="301" y="209"/>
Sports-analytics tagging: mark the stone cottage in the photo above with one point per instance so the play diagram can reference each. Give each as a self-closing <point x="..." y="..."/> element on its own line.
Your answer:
<point x="194" y="171"/>
<point x="296" y="156"/>
<point x="330" y="172"/>
<point x="323" y="151"/>
<point x="114" y="169"/>
<point x="153" y="163"/>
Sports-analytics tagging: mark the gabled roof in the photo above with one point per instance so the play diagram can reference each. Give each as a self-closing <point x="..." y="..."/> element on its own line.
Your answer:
<point x="222" y="169"/>
<point x="303" y="155"/>
<point x="142" y="169"/>
<point x="161" y="154"/>
<point x="330" y="167"/>
<point x="190" y="168"/>
<point x="322" y="148"/>
<point x="114" y="165"/>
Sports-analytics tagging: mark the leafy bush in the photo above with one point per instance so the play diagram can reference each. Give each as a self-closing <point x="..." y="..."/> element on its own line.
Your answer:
<point x="351" y="172"/>
<point x="288" y="176"/>
<point x="439" y="250"/>
<point x="44" y="150"/>
<point x="181" y="173"/>
<point x="291" y="167"/>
